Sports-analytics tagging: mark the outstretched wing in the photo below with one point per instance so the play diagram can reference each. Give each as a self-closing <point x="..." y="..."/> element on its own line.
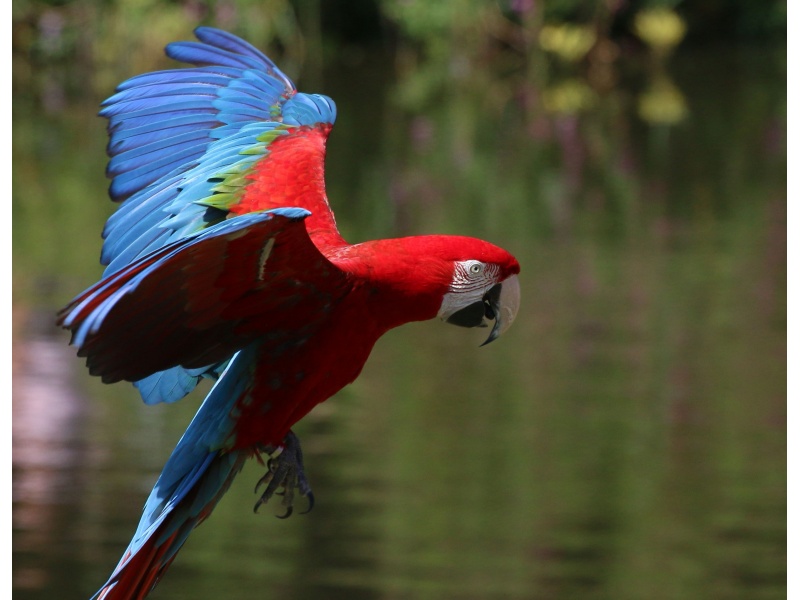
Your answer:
<point x="200" y="299"/>
<point x="189" y="147"/>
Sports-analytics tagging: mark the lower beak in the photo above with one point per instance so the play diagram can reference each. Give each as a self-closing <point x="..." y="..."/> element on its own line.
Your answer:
<point x="500" y="304"/>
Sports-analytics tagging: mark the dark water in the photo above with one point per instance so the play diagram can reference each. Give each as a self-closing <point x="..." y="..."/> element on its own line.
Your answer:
<point x="625" y="439"/>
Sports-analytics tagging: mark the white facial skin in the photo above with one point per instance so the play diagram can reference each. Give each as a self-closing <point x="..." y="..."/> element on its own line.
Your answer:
<point x="471" y="280"/>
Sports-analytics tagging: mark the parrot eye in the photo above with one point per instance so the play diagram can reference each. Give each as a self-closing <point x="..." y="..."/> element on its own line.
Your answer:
<point x="476" y="268"/>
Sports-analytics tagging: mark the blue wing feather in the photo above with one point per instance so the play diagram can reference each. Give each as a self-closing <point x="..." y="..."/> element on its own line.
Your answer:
<point x="161" y="129"/>
<point x="228" y="41"/>
<point x="149" y="105"/>
<point x="174" y="384"/>
<point x="144" y="154"/>
<point x="213" y="75"/>
<point x="197" y="85"/>
<point x="197" y="53"/>
<point x="149" y="142"/>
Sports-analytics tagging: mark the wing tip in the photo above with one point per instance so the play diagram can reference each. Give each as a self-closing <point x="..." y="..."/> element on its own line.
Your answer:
<point x="309" y="109"/>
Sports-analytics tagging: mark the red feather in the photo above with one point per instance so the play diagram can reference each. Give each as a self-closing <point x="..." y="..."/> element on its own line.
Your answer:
<point x="293" y="174"/>
<point x="204" y="299"/>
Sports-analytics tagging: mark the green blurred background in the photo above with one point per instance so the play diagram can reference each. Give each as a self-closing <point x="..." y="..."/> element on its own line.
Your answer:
<point x="625" y="439"/>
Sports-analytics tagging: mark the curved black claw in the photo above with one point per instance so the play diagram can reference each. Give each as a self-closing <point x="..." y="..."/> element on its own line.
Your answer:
<point x="285" y="476"/>
<point x="310" y="496"/>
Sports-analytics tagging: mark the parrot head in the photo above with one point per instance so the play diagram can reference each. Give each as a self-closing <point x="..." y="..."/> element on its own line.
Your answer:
<point x="479" y="293"/>
<point x="483" y="288"/>
<point x="464" y="281"/>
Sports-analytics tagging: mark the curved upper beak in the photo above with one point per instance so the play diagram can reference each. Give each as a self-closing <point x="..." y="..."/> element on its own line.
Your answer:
<point x="503" y="301"/>
<point x="500" y="304"/>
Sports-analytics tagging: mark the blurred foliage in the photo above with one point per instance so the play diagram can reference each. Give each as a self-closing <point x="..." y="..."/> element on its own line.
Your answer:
<point x="453" y="34"/>
<point x="660" y="28"/>
<point x="570" y="42"/>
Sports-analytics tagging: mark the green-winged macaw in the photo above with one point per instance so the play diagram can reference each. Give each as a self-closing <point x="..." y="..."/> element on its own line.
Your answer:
<point x="224" y="261"/>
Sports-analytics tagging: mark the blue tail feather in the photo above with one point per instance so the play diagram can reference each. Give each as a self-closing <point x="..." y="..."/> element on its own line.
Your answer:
<point x="197" y="474"/>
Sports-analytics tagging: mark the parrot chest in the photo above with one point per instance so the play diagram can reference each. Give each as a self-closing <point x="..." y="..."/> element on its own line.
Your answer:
<point x="288" y="384"/>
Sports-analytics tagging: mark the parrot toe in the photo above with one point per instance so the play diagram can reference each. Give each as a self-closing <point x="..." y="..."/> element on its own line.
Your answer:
<point x="285" y="476"/>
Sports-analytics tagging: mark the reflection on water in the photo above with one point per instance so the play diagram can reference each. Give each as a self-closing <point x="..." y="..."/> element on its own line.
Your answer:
<point x="626" y="438"/>
<point x="47" y="449"/>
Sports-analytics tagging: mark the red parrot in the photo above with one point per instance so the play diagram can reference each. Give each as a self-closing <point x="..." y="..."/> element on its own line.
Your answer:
<point x="224" y="261"/>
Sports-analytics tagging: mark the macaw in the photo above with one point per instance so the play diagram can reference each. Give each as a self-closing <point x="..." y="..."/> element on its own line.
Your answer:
<point x="224" y="261"/>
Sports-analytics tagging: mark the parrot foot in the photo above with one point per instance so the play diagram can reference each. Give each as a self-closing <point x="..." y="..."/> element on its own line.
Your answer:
<point x="285" y="473"/>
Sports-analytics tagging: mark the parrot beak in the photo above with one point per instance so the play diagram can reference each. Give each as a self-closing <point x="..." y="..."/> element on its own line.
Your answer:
<point x="500" y="304"/>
